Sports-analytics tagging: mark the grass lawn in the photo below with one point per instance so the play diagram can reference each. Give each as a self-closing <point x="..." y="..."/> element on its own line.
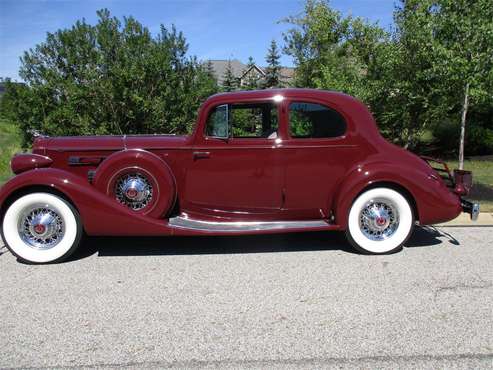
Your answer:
<point x="10" y="143"/>
<point x="482" y="175"/>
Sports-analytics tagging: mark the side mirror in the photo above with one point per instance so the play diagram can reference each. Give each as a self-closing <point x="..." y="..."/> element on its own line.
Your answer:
<point x="219" y="127"/>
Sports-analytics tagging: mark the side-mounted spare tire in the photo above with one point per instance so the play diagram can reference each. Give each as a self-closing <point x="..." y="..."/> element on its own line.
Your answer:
<point x="139" y="180"/>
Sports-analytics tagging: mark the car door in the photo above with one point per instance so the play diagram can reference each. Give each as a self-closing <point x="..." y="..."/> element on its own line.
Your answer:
<point x="237" y="173"/>
<point x="317" y="154"/>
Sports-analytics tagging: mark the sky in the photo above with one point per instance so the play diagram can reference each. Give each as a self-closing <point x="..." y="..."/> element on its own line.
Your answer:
<point x="214" y="29"/>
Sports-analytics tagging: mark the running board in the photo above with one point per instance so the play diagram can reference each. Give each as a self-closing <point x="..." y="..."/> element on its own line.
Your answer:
<point x="200" y="225"/>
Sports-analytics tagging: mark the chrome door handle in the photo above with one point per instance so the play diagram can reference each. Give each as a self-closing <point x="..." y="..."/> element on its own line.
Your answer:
<point x="201" y="155"/>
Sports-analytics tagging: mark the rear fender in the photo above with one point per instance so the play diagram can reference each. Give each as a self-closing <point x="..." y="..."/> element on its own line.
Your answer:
<point x="100" y="214"/>
<point x="432" y="200"/>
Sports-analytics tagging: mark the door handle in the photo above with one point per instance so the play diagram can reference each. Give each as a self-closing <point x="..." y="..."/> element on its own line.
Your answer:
<point x="201" y="155"/>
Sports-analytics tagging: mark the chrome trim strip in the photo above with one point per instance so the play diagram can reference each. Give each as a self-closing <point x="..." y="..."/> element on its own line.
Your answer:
<point x="187" y="223"/>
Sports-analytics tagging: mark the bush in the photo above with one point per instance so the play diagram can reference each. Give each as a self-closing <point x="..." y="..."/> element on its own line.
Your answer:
<point x="110" y="78"/>
<point x="478" y="141"/>
<point x="10" y="140"/>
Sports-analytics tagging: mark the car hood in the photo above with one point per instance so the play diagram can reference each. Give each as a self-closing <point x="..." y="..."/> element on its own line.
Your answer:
<point x="108" y="143"/>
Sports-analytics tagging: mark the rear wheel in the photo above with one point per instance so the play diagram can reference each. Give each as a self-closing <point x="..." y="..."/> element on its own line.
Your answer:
<point x="41" y="228"/>
<point x="380" y="221"/>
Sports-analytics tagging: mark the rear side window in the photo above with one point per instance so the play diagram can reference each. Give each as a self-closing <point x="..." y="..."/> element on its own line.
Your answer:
<point x="309" y="120"/>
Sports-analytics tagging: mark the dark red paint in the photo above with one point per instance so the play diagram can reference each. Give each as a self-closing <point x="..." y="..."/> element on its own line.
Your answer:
<point x="238" y="179"/>
<point x="26" y="162"/>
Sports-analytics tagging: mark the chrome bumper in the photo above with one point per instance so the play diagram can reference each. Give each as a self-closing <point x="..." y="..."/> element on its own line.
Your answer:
<point x="471" y="208"/>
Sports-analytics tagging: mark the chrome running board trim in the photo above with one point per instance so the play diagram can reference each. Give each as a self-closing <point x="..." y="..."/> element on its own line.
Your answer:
<point x="187" y="223"/>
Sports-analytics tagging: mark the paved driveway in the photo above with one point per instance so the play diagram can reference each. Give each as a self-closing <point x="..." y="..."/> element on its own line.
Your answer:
<point x="278" y="301"/>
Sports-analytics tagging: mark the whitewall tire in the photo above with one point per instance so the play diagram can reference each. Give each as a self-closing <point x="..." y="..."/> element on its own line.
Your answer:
<point x="380" y="221"/>
<point x="41" y="228"/>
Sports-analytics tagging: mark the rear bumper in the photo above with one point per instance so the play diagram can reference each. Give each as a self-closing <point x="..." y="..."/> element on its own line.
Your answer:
<point x="471" y="208"/>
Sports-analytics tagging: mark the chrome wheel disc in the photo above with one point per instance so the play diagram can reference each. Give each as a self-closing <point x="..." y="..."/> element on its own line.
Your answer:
<point x="134" y="190"/>
<point x="379" y="219"/>
<point x="41" y="227"/>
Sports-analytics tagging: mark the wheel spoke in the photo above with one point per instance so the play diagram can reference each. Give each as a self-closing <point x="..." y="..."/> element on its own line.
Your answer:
<point x="378" y="219"/>
<point x="41" y="227"/>
<point x="134" y="191"/>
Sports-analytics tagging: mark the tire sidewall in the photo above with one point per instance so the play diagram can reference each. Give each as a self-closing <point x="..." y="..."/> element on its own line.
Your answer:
<point x="69" y="242"/>
<point x="400" y="236"/>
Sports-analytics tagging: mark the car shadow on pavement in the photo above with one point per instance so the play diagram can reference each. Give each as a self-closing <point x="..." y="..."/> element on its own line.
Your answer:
<point x="184" y="245"/>
<point x="426" y="236"/>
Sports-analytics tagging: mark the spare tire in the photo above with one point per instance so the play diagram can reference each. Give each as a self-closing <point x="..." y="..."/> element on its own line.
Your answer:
<point x="139" y="180"/>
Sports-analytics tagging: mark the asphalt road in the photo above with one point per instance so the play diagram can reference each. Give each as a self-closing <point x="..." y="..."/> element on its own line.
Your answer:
<point x="282" y="301"/>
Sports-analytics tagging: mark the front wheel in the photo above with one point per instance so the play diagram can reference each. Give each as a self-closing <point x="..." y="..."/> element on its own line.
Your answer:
<point x="380" y="221"/>
<point x="41" y="228"/>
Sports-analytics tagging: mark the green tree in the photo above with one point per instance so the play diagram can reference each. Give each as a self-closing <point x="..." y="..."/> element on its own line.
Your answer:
<point x="109" y="78"/>
<point x="349" y="55"/>
<point x="230" y="82"/>
<point x="209" y="70"/>
<point x="443" y="68"/>
<point x="273" y="71"/>
<point x="464" y="35"/>
<point x="407" y="98"/>
<point x="416" y="77"/>
<point x="313" y="34"/>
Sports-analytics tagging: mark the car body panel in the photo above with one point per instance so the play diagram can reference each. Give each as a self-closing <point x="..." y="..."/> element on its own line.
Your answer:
<point x="244" y="180"/>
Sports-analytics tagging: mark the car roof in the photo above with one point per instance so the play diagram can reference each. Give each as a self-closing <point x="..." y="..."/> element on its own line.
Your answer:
<point x="287" y="92"/>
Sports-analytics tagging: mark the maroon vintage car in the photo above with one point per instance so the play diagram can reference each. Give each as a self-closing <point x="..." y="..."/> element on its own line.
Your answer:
<point x="266" y="161"/>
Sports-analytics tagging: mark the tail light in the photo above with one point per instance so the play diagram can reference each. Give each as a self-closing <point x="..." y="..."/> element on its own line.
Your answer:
<point x="463" y="182"/>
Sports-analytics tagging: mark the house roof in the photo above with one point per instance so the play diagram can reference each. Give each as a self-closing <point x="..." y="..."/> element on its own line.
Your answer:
<point x="220" y="65"/>
<point x="239" y="69"/>
<point x="287" y="72"/>
<point x="259" y="69"/>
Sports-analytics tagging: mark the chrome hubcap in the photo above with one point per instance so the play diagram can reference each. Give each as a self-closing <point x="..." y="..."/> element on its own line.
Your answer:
<point x="134" y="190"/>
<point x="41" y="227"/>
<point x="379" y="219"/>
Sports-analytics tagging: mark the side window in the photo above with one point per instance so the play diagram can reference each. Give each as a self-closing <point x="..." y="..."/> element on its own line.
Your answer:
<point x="244" y="121"/>
<point x="217" y="122"/>
<point x="309" y="120"/>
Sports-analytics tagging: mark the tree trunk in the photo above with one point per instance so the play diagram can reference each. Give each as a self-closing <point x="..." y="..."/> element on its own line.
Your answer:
<point x="463" y="127"/>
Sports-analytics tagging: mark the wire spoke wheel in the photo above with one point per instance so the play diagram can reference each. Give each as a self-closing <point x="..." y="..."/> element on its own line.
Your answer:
<point x="134" y="190"/>
<point x="379" y="219"/>
<point x="41" y="227"/>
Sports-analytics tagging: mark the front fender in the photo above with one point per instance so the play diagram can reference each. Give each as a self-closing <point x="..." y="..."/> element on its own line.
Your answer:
<point x="100" y="214"/>
<point x="434" y="202"/>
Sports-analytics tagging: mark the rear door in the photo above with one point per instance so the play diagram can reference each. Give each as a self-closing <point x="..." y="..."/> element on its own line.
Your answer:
<point x="317" y="154"/>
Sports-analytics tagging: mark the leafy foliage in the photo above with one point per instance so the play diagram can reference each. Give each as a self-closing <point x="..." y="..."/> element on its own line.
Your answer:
<point x="110" y="78"/>
<point x="258" y="120"/>
<point x="412" y="77"/>
<point x="10" y="143"/>
<point x="230" y="82"/>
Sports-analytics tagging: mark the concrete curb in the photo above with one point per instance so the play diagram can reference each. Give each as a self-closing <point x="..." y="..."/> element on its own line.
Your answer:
<point x="484" y="219"/>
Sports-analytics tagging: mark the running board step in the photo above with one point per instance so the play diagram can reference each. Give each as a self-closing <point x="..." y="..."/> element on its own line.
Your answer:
<point x="187" y="223"/>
